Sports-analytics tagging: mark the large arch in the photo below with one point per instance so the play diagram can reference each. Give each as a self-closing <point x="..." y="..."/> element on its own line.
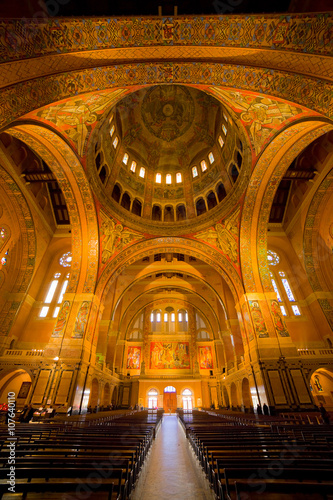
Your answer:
<point x="268" y="172"/>
<point x="75" y="187"/>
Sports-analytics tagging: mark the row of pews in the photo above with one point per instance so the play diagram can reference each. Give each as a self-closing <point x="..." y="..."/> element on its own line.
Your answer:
<point x="251" y="459"/>
<point x="94" y="461"/>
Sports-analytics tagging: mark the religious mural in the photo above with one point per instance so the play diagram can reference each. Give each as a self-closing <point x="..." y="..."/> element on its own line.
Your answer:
<point x="224" y="236"/>
<point x="258" y="319"/>
<point x="81" y="321"/>
<point x="205" y="357"/>
<point x="169" y="355"/>
<point x="61" y="321"/>
<point x="279" y="322"/>
<point x="115" y="238"/>
<point x="168" y="111"/>
<point x="133" y="358"/>
<point x="78" y="116"/>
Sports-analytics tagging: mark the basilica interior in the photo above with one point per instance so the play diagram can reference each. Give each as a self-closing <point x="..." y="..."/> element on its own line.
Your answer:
<point x="166" y="212"/>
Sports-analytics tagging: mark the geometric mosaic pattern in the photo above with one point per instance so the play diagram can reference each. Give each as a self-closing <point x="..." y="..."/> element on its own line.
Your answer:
<point x="304" y="33"/>
<point x="22" y="98"/>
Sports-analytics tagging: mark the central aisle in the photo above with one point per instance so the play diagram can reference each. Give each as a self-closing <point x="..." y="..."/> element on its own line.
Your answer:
<point x="171" y="470"/>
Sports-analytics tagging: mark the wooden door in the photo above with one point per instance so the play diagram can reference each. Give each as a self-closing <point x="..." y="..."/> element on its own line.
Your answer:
<point x="170" y="402"/>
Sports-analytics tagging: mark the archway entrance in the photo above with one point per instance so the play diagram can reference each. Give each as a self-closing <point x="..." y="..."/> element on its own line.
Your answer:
<point x="321" y="384"/>
<point x="170" y="399"/>
<point x="187" y="400"/>
<point x="17" y="381"/>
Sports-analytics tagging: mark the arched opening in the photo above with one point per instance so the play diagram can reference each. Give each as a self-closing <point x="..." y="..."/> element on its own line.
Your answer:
<point x="152" y="399"/>
<point x="137" y="207"/>
<point x="233" y="395"/>
<point x="211" y="200"/>
<point x="106" y="395"/>
<point x="19" y="382"/>
<point x="126" y="201"/>
<point x="94" y="394"/>
<point x="170" y="399"/>
<point x="187" y="399"/>
<point x="246" y="395"/>
<point x="116" y="193"/>
<point x="234" y="173"/>
<point x="321" y="385"/>
<point x="221" y="192"/>
<point x="169" y="214"/>
<point x="180" y="212"/>
<point x="102" y="174"/>
<point x="200" y="206"/>
<point x="156" y="213"/>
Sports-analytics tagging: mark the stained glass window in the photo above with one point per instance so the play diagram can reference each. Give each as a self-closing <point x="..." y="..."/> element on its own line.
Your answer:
<point x="112" y="131"/>
<point x="221" y="141"/>
<point x="168" y="179"/>
<point x="203" y="165"/>
<point x="178" y="177"/>
<point x="133" y="166"/>
<point x="288" y="290"/>
<point x="276" y="290"/>
<point x="283" y="310"/>
<point x="273" y="258"/>
<point x="225" y="117"/>
<point x="194" y="171"/>
<point x="296" y="310"/>
<point x="125" y="158"/>
<point x="66" y="259"/>
<point x="115" y="142"/>
<point x="211" y="158"/>
<point x="158" y="178"/>
<point x="142" y="172"/>
<point x="224" y="128"/>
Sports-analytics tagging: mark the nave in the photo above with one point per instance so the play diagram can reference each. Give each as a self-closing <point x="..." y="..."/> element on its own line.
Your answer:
<point x="148" y="455"/>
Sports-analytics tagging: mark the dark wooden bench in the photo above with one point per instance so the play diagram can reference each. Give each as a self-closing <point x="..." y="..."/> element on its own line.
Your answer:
<point x="283" y="491"/>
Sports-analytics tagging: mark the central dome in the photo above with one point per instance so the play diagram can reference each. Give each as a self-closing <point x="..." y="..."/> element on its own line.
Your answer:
<point x="168" y="154"/>
<point x="168" y="111"/>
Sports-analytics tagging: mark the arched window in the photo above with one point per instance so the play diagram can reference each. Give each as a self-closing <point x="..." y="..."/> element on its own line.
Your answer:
<point x="115" y="142"/>
<point x="221" y="192"/>
<point x="211" y="158"/>
<point x="125" y="158"/>
<point x="178" y="177"/>
<point x="281" y="285"/>
<point x="169" y="214"/>
<point x="152" y="399"/>
<point x="221" y="141"/>
<point x="126" y="201"/>
<point x="170" y="388"/>
<point x="142" y="172"/>
<point x="180" y="212"/>
<point x="187" y="399"/>
<point x="203" y="165"/>
<point x="234" y="172"/>
<point x="116" y="193"/>
<point x="194" y="172"/>
<point x="225" y="117"/>
<point x="168" y="179"/>
<point x="211" y="200"/>
<point x="158" y="178"/>
<point x="133" y="166"/>
<point x="224" y="128"/>
<point x="102" y="174"/>
<point x="57" y="288"/>
<point x="200" y="206"/>
<point x="137" y="207"/>
<point x="182" y="320"/>
<point x="157" y="213"/>
<point x="112" y="131"/>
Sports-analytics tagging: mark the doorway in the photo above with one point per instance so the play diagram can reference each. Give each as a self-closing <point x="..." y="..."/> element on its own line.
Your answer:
<point x="187" y="400"/>
<point x="170" y="399"/>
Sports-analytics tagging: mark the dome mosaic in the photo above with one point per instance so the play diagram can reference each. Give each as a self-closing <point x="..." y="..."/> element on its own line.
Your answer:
<point x="168" y="155"/>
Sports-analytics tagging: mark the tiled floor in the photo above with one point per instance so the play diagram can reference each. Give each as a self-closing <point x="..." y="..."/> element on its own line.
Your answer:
<point x="171" y="470"/>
